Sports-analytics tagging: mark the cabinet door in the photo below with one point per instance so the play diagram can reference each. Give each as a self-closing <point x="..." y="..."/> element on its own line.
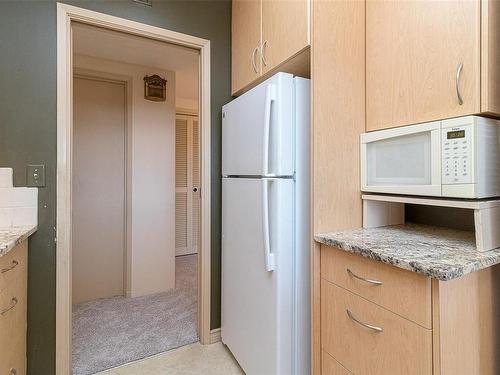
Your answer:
<point x="246" y="32"/>
<point x="413" y="51"/>
<point x="285" y="30"/>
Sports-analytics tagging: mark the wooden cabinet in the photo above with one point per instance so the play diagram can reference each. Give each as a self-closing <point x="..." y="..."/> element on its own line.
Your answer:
<point x="13" y="308"/>
<point x="285" y="30"/>
<point x="246" y="30"/>
<point x="425" y="60"/>
<point x="266" y="34"/>
<point x="363" y="331"/>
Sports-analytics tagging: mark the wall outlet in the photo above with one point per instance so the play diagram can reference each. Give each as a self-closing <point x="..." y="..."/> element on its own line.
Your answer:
<point x="35" y="175"/>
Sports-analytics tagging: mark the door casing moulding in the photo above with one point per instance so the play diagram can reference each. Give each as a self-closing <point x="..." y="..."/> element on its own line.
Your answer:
<point x="66" y="14"/>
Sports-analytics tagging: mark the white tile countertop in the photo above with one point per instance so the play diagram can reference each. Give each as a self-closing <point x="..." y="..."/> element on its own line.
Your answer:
<point x="12" y="236"/>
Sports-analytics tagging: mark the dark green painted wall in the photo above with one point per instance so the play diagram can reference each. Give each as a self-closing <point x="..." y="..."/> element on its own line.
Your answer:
<point x="28" y="128"/>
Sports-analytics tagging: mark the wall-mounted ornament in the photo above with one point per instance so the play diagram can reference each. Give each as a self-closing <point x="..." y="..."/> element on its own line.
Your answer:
<point x="155" y="88"/>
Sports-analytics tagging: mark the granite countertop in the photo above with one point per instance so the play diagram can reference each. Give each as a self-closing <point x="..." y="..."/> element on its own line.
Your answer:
<point x="12" y="236"/>
<point x="440" y="253"/>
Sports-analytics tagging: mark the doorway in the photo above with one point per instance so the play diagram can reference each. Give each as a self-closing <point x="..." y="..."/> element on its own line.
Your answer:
<point x="68" y="160"/>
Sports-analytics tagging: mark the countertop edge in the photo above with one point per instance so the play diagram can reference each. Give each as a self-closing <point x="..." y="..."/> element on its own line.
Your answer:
<point x="6" y="247"/>
<point x="443" y="275"/>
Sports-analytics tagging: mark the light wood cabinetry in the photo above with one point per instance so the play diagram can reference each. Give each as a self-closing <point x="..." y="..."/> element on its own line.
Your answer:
<point x="268" y="36"/>
<point x="245" y="34"/>
<point x="406" y="293"/>
<point x="13" y="308"/>
<point x="285" y="30"/>
<point x="366" y="333"/>
<point x="401" y="347"/>
<point x="426" y="60"/>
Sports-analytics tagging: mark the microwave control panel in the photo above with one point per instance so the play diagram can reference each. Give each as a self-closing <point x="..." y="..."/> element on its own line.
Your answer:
<point x="456" y="157"/>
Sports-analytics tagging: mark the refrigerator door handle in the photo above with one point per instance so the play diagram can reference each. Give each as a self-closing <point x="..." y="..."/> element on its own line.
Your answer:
<point x="270" y="98"/>
<point x="269" y="257"/>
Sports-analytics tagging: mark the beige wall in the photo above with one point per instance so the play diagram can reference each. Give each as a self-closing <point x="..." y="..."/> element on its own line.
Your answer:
<point x="152" y="197"/>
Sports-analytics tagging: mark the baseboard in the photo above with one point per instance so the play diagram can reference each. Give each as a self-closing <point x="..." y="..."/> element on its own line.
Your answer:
<point x="214" y="335"/>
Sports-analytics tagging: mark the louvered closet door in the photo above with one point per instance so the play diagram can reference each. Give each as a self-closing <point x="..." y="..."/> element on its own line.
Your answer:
<point x="187" y="191"/>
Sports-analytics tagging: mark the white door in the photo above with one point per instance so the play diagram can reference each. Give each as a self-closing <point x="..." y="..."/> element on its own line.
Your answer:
<point x="187" y="185"/>
<point x="257" y="303"/>
<point x="257" y="124"/>
<point x="98" y="198"/>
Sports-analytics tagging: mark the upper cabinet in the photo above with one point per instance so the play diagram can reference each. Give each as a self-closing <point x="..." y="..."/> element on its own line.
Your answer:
<point x="246" y="30"/>
<point x="266" y="34"/>
<point x="429" y="60"/>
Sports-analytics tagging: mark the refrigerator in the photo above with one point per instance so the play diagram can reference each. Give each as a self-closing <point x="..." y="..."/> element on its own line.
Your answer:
<point x="266" y="227"/>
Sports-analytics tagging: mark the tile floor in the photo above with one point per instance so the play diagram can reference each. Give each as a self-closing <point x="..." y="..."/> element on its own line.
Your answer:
<point x="194" y="359"/>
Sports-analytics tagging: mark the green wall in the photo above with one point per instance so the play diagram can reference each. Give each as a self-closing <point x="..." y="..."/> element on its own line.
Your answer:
<point x="28" y="128"/>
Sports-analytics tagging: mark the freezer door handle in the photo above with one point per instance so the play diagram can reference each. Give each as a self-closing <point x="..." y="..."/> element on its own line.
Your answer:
<point x="269" y="256"/>
<point x="270" y="98"/>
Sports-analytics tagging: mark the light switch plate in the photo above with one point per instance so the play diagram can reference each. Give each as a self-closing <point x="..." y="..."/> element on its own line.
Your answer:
<point x="35" y="175"/>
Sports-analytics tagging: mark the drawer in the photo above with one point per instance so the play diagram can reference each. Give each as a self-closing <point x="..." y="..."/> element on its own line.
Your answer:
<point x="13" y="263"/>
<point x="329" y="366"/>
<point x="13" y="321"/>
<point x="403" y="292"/>
<point x="402" y="347"/>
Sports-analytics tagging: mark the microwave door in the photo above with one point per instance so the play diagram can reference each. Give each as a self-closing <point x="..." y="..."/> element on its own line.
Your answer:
<point x="402" y="161"/>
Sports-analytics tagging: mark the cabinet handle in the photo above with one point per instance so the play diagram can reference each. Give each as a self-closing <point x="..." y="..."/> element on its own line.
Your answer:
<point x="12" y="371"/>
<point x="369" y="281"/>
<point x="14" y="265"/>
<point x="264" y="45"/>
<point x="369" y="326"/>
<point x="457" y="83"/>
<point x="13" y="303"/>
<point x="254" y="64"/>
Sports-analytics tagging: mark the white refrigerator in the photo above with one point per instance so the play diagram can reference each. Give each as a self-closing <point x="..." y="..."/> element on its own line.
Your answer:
<point x="266" y="227"/>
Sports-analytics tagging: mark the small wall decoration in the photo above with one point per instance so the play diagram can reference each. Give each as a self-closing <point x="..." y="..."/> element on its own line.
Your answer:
<point x="155" y="88"/>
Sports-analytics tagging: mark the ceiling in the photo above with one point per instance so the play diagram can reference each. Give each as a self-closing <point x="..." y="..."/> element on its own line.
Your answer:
<point x="117" y="46"/>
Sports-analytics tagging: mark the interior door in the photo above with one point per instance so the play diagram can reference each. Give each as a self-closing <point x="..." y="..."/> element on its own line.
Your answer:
<point x="98" y="198"/>
<point x="187" y="185"/>
<point x="285" y="31"/>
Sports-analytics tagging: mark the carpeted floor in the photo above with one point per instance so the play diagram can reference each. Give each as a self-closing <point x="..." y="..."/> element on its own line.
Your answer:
<point x="113" y="331"/>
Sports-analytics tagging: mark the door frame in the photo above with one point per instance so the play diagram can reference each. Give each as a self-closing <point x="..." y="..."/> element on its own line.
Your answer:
<point x="66" y="14"/>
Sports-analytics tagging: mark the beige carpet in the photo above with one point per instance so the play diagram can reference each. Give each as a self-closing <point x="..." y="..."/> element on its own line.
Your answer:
<point x="114" y="331"/>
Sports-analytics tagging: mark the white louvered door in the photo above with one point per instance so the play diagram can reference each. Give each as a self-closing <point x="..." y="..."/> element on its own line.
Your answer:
<point x="187" y="188"/>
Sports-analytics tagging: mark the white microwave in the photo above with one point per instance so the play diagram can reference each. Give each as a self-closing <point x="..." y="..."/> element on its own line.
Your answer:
<point x="457" y="158"/>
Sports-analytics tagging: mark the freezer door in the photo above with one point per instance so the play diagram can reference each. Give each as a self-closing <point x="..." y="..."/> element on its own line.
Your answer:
<point x="258" y="130"/>
<point x="257" y="300"/>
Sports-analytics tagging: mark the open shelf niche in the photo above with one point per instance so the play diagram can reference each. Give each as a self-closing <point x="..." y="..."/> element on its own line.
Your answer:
<point x="384" y="210"/>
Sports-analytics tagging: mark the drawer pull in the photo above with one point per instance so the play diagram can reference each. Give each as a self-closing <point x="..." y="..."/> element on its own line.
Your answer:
<point x="369" y="326"/>
<point x="14" y="265"/>
<point x="12" y="371"/>
<point x="369" y="281"/>
<point x="13" y="303"/>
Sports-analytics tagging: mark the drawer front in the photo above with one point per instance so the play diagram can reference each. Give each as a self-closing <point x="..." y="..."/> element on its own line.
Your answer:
<point x="329" y="366"/>
<point x="12" y="264"/>
<point x="403" y="292"/>
<point x="13" y="320"/>
<point x="402" y="347"/>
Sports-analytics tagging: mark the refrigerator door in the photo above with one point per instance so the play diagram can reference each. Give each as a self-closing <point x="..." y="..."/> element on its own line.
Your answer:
<point x="258" y="130"/>
<point x="257" y="294"/>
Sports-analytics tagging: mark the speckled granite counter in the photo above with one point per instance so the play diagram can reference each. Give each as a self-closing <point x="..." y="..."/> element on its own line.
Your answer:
<point x="440" y="253"/>
<point x="10" y="237"/>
